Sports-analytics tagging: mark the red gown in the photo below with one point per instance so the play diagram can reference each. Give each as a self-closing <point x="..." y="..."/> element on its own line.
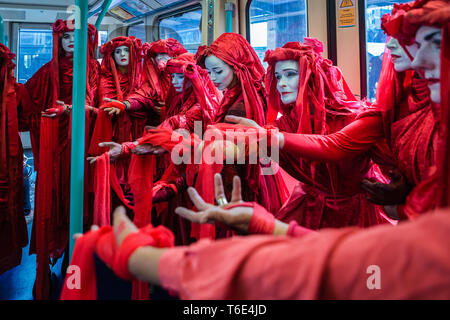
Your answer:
<point x="51" y="140"/>
<point x="13" y="228"/>
<point x="328" y="194"/>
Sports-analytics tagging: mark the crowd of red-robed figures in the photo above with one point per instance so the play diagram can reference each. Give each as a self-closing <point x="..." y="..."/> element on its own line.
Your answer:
<point x="343" y="162"/>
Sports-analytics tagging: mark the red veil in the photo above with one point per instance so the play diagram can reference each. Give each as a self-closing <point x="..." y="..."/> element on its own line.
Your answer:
<point x="233" y="49"/>
<point x="435" y="13"/>
<point x="118" y="86"/>
<point x="319" y="88"/>
<point x="201" y="91"/>
<point x="403" y="25"/>
<point x="51" y="148"/>
<point x="13" y="234"/>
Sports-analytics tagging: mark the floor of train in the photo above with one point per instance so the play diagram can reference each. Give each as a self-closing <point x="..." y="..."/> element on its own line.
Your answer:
<point x="17" y="283"/>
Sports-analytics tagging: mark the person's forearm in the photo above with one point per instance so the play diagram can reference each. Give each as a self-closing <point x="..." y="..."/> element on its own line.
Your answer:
<point x="143" y="264"/>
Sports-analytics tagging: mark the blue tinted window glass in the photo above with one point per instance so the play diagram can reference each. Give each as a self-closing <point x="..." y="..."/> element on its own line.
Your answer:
<point x="276" y="22"/>
<point x="184" y="27"/>
<point x="376" y="40"/>
<point x="35" y="50"/>
<point x="138" y="31"/>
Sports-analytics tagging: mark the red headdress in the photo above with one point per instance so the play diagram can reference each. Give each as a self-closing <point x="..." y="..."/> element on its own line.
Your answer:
<point x="204" y="90"/>
<point x="435" y="13"/>
<point x="109" y="69"/>
<point x="234" y="50"/>
<point x="159" y="80"/>
<point x="319" y="86"/>
<point x="59" y="28"/>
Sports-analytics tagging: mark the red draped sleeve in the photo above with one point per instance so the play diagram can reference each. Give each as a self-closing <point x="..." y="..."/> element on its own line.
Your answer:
<point x="331" y="264"/>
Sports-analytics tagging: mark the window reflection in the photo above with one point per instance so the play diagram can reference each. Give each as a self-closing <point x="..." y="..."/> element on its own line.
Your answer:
<point x="275" y="22"/>
<point x="184" y="27"/>
<point x="35" y="50"/>
<point x="376" y="40"/>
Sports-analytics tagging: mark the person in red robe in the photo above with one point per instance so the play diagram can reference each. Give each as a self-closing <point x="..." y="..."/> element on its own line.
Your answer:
<point x="307" y="89"/>
<point x="13" y="228"/>
<point x="346" y="263"/>
<point x="403" y="120"/>
<point x="50" y="90"/>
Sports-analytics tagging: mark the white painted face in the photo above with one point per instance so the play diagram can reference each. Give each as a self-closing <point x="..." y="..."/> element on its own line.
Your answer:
<point x="68" y="42"/>
<point x="400" y="59"/>
<point x="428" y="59"/>
<point x="287" y="75"/>
<point x="161" y="60"/>
<point x="220" y="73"/>
<point x="122" y="56"/>
<point x="178" y="81"/>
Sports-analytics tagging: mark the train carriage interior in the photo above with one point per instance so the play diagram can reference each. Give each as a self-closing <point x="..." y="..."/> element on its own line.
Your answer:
<point x="350" y="30"/>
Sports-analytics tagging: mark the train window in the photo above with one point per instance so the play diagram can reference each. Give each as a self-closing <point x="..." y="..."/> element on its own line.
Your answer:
<point x="35" y="50"/>
<point x="138" y="31"/>
<point x="184" y="27"/>
<point x="103" y="37"/>
<point x="376" y="40"/>
<point x="275" y="22"/>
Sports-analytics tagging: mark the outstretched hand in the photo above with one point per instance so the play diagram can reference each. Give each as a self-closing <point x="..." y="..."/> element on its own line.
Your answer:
<point x="242" y="121"/>
<point x="237" y="218"/>
<point x="115" y="150"/>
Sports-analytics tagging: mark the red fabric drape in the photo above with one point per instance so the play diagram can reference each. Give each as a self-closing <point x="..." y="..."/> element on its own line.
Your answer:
<point x="13" y="229"/>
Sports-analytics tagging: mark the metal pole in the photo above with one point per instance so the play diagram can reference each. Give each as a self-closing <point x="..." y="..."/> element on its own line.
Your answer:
<point x="229" y="7"/>
<point x="105" y="8"/>
<point x="78" y="119"/>
<point x="2" y="32"/>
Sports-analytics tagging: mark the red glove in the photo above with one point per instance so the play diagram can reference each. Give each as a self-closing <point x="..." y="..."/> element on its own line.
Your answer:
<point x="114" y="104"/>
<point x="58" y="110"/>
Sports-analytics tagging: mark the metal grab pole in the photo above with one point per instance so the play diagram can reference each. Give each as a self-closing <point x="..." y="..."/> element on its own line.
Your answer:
<point x="2" y="32"/>
<point x="78" y="121"/>
<point x="229" y="7"/>
<point x="105" y="7"/>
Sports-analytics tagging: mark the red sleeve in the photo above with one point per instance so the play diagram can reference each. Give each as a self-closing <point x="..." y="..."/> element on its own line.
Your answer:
<point x="184" y="121"/>
<point x="331" y="264"/>
<point x="357" y="137"/>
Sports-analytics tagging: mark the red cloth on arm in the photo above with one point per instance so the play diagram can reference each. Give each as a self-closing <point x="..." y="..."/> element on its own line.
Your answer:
<point x="330" y="264"/>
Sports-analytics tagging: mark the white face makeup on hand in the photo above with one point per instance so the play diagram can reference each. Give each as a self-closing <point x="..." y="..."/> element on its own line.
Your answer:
<point x="287" y="75"/>
<point x="178" y="81"/>
<point x="428" y="59"/>
<point x="161" y="60"/>
<point x="122" y="56"/>
<point x="220" y="73"/>
<point x="68" y="42"/>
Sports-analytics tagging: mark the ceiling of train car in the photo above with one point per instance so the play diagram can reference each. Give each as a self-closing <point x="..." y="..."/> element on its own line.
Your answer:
<point x="123" y="11"/>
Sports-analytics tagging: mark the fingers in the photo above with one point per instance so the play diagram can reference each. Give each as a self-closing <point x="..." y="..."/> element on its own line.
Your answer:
<point x="91" y="160"/>
<point x="236" y="195"/>
<point x="218" y="189"/>
<point x="108" y="144"/>
<point x="234" y="119"/>
<point x="46" y="115"/>
<point x="188" y="214"/>
<point x="61" y="103"/>
<point x="107" y="99"/>
<point x="122" y="224"/>
<point x="197" y="200"/>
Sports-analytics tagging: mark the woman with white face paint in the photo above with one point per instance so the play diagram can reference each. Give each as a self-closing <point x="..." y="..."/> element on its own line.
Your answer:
<point x="156" y="82"/>
<point x="294" y="75"/>
<point x="50" y="90"/>
<point x="120" y="77"/>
